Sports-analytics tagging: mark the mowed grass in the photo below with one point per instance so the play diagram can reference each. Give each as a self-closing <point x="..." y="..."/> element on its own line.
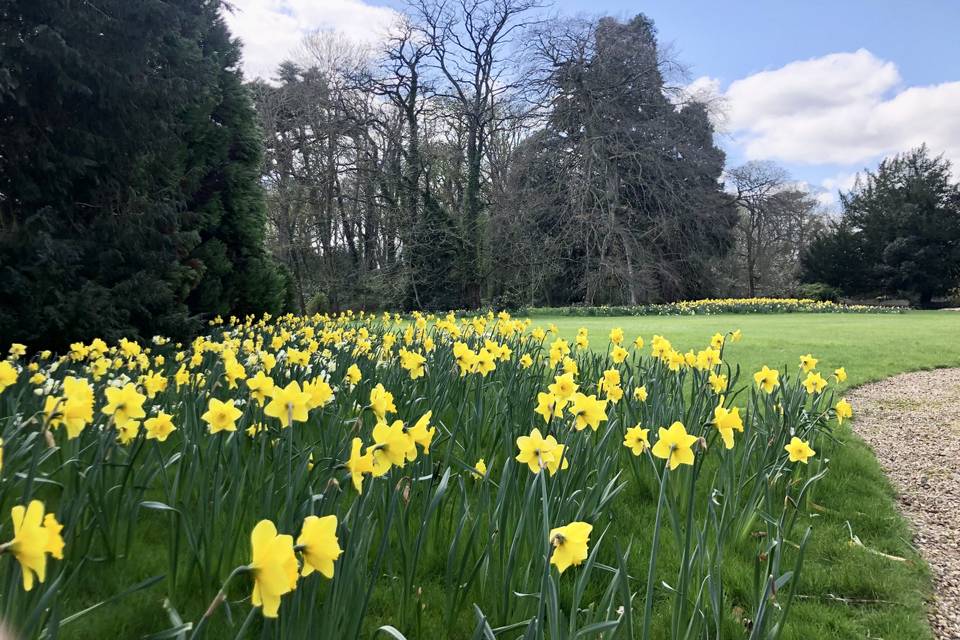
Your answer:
<point x="870" y="346"/>
<point x="847" y="591"/>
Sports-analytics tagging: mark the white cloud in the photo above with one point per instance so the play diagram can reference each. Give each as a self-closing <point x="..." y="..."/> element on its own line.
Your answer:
<point x="842" y="108"/>
<point x="840" y="182"/>
<point x="271" y="30"/>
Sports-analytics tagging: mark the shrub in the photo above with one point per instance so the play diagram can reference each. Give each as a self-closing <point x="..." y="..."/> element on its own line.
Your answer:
<point x="819" y="291"/>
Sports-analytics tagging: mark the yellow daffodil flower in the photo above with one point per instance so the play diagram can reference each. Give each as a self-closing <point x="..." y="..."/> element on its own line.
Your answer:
<point x="799" y="450"/>
<point x="274" y="567"/>
<point x="319" y="544"/>
<point x="570" y="545"/>
<point x="674" y="445"/>
<point x="636" y="440"/>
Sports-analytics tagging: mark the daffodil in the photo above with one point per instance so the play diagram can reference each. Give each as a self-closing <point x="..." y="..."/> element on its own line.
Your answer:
<point x="221" y="416"/>
<point x="582" y="341"/>
<point x="563" y="386"/>
<point x="233" y="371"/>
<point x="34" y="537"/>
<point x="767" y="379"/>
<point x="674" y="445"/>
<point x="718" y="382"/>
<point x="480" y="469"/>
<point x="640" y="393"/>
<point x="465" y="358"/>
<point x="154" y="383"/>
<point x="558" y="458"/>
<point x="353" y="375"/>
<point x="74" y="409"/>
<point x="676" y="361"/>
<point x="549" y="406"/>
<point x="319" y="544"/>
<point x="381" y="402"/>
<point x="808" y="363"/>
<point x="274" y="567"/>
<point x="485" y="362"/>
<point x="588" y="411"/>
<point x="840" y="374"/>
<point x="159" y="427"/>
<point x="358" y="464"/>
<point x="814" y="383"/>
<point x="570" y="545"/>
<point x="319" y="393"/>
<point x="413" y="362"/>
<point x="727" y="421"/>
<point x="636" y="440"/>
<point x="536" y="451"/>
<point x="392" y="447"/>
<point x="799" y="450"/>
<point x="260" y="386"/>
<point x="422" y="433"/>
<point x="610" y="378"/>
<point x="843" y="411"/>
<point x="613" y="393"/>
<point x="618" y="354"/>
<point x="289" y="404"/>
<point x="127" y="431"/>
<point x="124" y="404"/>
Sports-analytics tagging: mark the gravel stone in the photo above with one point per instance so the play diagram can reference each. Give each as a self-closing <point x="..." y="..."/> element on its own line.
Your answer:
<point x="922" y="411"/>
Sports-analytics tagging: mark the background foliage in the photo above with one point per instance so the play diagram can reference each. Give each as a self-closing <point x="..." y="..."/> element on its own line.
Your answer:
<point x="129" y="196"/>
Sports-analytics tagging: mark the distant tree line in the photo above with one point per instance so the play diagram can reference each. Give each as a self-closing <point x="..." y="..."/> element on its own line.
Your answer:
<point x="484" y="155"/>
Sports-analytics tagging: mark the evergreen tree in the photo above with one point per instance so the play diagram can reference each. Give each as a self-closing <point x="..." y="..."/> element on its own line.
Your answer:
<point x="224" y="192"/>
<point x="900" y="232"/>
<point x="127" y="153"/>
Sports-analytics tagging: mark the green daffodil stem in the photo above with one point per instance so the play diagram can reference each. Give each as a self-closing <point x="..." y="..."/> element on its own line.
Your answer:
<point x="242" y="633"/>
<point x="217" y="601"/>
<point x="652" y="567"/>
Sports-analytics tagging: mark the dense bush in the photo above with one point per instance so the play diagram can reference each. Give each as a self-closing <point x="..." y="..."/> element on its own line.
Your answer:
<point x="819" y="291"/>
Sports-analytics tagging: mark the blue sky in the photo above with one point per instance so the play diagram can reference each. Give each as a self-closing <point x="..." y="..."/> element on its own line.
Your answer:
<point x="822" y="88"/>
<point x="730" y="40"/>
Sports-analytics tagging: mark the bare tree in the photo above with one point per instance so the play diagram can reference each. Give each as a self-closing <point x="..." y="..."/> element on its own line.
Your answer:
<point x="777" y="221"/>
<point x="474" y="47"/>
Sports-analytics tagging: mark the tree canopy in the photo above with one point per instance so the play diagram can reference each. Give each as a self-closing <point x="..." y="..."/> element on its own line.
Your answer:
<point x="899" y="233"/>
<point x="129" y="172"/>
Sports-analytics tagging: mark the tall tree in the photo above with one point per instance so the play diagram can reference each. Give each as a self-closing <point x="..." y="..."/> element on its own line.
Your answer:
<point x="629" y="179"/>
<point x="777" y="221"/>
<point x="902" y="223"/>
<point x="474" y="47"/>
<point x="116" y="170"/>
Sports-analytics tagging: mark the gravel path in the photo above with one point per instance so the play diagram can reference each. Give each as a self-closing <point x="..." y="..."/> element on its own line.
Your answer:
<point x="922" y="409"/>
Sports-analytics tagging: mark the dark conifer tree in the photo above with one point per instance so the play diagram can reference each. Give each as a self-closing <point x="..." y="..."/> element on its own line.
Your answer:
<point x="127" y="151"/>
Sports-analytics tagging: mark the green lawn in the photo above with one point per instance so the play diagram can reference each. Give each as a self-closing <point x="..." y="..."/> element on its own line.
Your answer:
<point x="848" y="592"/>
<point x="870" y="346"/>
